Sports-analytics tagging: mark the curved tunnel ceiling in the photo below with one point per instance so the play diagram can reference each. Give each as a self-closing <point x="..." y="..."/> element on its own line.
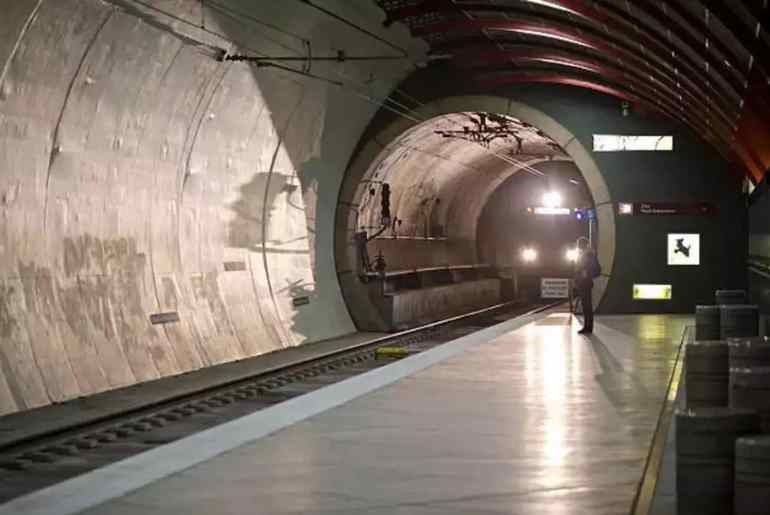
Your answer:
<point x="702" y="62"/>
<point x="442" y="171"/>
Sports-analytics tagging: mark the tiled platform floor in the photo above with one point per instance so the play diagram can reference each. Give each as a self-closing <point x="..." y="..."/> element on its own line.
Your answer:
<point x="539" y="421"/>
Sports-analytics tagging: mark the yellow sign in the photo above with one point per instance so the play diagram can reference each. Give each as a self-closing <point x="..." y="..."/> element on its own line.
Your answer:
<point x="652" y="292"/>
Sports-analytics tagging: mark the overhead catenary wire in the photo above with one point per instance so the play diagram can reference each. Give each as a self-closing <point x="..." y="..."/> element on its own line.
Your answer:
<point x="405" y="112"/>
<point x="355" y="26"/>
<point x="387" y="102"/>
<point x="239" y="16"/>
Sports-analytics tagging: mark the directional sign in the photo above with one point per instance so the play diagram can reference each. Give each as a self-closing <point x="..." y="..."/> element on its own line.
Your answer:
<point x="667" y="208"/>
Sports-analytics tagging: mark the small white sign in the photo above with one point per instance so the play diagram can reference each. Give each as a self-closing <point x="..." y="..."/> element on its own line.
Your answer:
<point x="551" y="288"/>
<point x="684" y="249"/>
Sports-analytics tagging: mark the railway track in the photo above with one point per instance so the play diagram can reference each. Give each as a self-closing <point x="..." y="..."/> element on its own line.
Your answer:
<point x="44" y="460"/>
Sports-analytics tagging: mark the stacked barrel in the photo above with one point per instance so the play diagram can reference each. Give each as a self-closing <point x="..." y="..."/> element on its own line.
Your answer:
<point x="752" y="475"/>
<point x="705" y="458"/>
<point x="707" y="373"/>
<point x="727" y="382"/>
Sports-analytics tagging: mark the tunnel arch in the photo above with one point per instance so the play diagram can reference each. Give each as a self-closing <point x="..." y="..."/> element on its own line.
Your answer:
<point x="361" y="308"/>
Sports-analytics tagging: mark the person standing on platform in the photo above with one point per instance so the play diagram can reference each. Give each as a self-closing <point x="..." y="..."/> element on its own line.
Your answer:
<point x="586" y="269"/>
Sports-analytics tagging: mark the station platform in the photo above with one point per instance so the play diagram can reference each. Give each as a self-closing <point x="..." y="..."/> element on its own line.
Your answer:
<point x="526" y="417"/>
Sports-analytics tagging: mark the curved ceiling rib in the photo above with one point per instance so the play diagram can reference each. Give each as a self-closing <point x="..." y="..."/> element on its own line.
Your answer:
<point x="703" y="62"/>
<point x="530" y="29"/>
<point x="469" y="50"/>
<point x="614" y="89"/>
<point x="606" y="72"/>
<point x="585" y="40"/>
<point x="650" y="39"/>
<point x="619" y="72"/>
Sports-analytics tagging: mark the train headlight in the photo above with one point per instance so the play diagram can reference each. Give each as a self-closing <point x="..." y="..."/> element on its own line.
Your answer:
<point x="528" y="255"/>
<point x="552" y="199"/>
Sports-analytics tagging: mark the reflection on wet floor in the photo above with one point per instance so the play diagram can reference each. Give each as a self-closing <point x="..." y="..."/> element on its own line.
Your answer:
<point x="539" y="420"/>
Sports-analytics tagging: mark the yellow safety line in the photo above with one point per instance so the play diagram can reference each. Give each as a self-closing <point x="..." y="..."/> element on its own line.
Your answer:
<point x="642" y="504"/>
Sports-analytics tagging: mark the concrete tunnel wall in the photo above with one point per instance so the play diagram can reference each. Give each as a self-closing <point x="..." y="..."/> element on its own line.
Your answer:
<point x="139" y="175"/>
<point x="438" y="187"/>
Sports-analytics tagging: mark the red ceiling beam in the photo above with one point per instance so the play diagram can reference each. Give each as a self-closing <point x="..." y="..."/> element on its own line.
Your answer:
<point x="573" y="7"/>
<point x="646" y="36"/>
<point x="745" y="34"/>
<point x="481" y="45"/>
<point x="743" y="146"/>
<point x="658" y="12"/>
<point x="480" y="58"/>
<point x="578" y="41"/>
<point x="496" y="80"/>
<point x="760" y="13"/>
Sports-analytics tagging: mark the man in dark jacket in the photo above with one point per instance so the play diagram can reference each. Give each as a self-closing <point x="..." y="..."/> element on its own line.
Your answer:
<point x="586" y="268"/>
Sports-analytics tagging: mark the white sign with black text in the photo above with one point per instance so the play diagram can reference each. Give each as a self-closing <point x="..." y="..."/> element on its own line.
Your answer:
<point x="552" y="288"/>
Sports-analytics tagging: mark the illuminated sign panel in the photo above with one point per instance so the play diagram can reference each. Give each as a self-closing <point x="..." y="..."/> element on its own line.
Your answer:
<point x="652" y="292"/>
<point x="554" y="288"/>
<point x="683" y="249"/>
<point x="544" y="210"/>
<point x="619" y="143"/>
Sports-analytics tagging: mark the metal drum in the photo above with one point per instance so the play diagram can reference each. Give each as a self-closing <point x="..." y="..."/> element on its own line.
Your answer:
<point x="707" y="319"/>
<point x="749" y="352"/>
<point x="752" y="475"/>
<point x="707" y="374"/>
<point x="750" y="389"/>
<point x="731" y="296"/>
<point x="738" y="320"/>
<point x="705" y="456"/>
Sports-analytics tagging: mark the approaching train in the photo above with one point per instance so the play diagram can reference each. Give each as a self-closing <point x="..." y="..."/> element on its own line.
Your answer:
<point x="539" y="243"/>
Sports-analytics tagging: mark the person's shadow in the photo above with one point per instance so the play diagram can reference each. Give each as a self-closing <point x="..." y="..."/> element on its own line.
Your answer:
<point x="621" y="388"/>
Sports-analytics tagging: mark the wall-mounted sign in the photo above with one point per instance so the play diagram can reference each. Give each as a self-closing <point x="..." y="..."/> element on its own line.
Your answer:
<point x="626" y="143"/>
<point x="683" y="249"/>
<point x="553" y="288"/>
<point x="666" y="208"/>
<point x="652" y="292"/>
<point x="550" y="211"/>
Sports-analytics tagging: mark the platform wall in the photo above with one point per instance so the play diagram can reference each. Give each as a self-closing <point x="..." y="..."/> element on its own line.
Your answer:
<point x="693" y="172"/>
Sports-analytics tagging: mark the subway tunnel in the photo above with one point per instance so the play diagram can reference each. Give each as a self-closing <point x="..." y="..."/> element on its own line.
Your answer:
<point x="186" y="184"/>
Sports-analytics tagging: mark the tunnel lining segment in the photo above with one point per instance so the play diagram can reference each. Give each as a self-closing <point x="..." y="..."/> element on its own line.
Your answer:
<point x="361" y="308"/>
